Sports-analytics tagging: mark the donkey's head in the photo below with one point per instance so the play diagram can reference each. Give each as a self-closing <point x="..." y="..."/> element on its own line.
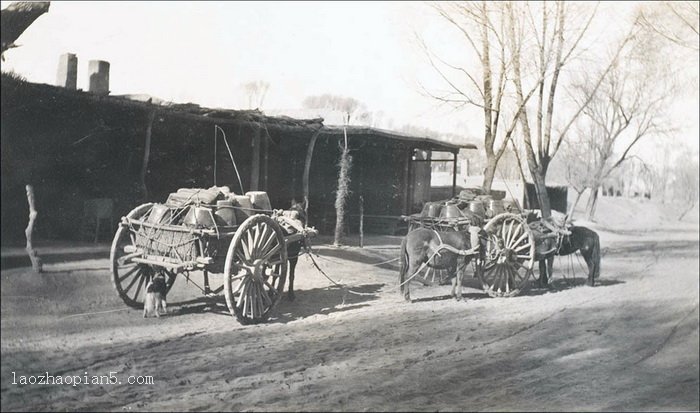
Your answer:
<point x="298" y="210"/>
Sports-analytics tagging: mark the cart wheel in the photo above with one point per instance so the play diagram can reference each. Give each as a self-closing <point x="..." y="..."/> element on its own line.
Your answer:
<point x="129" y="278"/>
<point x="508" y="257"/>
<point x="255" y="269"/>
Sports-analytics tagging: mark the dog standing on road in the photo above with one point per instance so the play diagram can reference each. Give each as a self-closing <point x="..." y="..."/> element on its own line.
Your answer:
<point x="155" y="296"/>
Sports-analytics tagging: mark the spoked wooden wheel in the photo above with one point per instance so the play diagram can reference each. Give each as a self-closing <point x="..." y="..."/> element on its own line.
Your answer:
<point x="255" y="269"/>
<point x="130" y="278"/>
<point x="508" y="257"/>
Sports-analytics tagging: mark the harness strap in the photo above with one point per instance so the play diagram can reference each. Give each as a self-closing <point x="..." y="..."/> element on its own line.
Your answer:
<point x="438" y="237"/>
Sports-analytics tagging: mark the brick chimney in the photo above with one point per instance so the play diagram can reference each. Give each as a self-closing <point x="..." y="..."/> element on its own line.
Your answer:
<point x="98" y="72"/>
<point x="67" y="75"/>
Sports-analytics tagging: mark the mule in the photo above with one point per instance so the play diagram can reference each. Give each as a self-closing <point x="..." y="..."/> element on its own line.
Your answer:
<point x="420" y="246"/>
<point x="295" y="212"/>
<point x="581" y="239"/>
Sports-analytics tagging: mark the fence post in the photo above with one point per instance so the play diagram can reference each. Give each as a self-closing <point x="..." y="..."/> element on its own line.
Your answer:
<point x="362" y="221"/>
<point x="36" y="261"/>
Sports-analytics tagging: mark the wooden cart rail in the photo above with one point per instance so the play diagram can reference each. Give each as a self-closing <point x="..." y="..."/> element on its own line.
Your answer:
<point x="507" y="250"/>
<point x="252" y="257"/>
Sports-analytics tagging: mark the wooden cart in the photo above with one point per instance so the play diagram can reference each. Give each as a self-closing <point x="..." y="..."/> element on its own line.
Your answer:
<point x="252" y="256"/>
<point x="508" y="254"/>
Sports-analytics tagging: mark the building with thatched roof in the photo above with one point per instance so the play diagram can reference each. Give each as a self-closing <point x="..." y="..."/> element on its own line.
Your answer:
<point x="74" y="146"/>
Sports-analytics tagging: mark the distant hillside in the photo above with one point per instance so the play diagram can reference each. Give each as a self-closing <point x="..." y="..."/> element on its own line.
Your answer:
<point x="635" y="214"/>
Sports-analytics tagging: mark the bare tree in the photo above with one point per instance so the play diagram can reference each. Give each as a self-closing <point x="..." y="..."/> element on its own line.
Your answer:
<point x="576" y="166"/>
<point x="483" y="28"/>
<point x="351" y="108"/>
<point x="256" y="92"/>
<point x="628" y="107"/>
<point x="686" y="182"/>
<point x="675" y="21"/>
<point x="557" y="31"/>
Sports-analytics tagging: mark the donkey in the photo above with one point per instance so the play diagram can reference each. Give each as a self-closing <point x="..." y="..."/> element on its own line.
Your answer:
<point x="296" y="212"/>
<point x="581" y="239"/>
<point x="444" y="250"/>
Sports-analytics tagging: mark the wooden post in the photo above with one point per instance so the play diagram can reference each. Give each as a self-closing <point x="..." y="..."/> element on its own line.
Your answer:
<point x="36" y="261"/>
<point x="266" y="157"/>
<point x="362" y="222"/>
<point x="255" y="162"/>
<point x="343" y="190"/>
<point x="147" y="153"/>
<point x="454" y="174"/>
<point x="307" y="169"/>
<point x="407" y="178"/>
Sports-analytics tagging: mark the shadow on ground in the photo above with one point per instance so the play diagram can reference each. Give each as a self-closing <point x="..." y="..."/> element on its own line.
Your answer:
<point x="317" y="301"/>
<point x="563" y="284"/>
<point x="325" y="301"/>
<point x="212" y="305"/>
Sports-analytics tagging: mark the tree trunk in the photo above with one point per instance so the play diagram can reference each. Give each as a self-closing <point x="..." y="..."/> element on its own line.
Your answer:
<point x="489" y="173"/>
<point x="573" y="206"/>
<point x="593" y="202"/>
<point x="541" y="190"/>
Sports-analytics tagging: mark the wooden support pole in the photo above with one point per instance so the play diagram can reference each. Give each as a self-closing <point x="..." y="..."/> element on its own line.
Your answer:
<point x="36" y="261"/>
<point x="147" y="153"/>
<point x="307" y="169"/>
<point x="266" y="156"/>
<point x="362" y="222"/>
<point x="255" y="163"/>
<point x="407" y="192"/>
<point x="454" y="174"/>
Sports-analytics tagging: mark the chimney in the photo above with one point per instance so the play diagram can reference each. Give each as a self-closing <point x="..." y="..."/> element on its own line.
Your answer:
<point x="67" y="75"/>
<point x="98" y="70"/>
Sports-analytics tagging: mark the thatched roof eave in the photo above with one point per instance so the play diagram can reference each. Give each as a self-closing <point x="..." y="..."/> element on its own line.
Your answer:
<point x="411" y="140"/>
<point x="252" y="118"/>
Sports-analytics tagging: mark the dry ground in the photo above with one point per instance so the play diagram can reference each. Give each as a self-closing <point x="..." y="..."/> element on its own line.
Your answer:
<point x="630" y="343"/>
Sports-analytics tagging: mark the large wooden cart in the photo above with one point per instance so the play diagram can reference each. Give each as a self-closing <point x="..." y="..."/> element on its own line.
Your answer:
<point x="507" y="257"/>
<point x="252" y="255"/>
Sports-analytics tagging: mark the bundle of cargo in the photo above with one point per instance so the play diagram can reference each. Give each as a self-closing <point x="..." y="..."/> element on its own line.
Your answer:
<point x="209" y="207"/>
<point x="213" y="231"/>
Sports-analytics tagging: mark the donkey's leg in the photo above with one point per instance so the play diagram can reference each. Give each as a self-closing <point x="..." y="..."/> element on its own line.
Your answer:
<point x="543" y="281"/>
<point x="588" y="257"/>
<point x="454" y="287"/>
<point x="292" y="267"/>
<point x="413" y="266"/>
<point x="457" y="283"/>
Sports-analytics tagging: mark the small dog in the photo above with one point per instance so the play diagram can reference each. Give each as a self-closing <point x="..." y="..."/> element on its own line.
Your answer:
<point x="155" y="296"/>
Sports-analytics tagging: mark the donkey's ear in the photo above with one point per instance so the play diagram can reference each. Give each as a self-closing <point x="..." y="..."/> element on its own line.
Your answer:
<point x="294" y="202"/>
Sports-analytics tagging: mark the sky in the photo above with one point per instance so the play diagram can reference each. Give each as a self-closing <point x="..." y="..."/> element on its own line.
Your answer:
<point x="202" y="52"/>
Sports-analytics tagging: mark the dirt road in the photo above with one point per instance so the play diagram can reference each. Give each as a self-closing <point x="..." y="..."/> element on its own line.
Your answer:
<point x="630" y="343"/>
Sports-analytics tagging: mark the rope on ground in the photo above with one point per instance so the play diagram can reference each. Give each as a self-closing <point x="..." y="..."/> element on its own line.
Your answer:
<point x="189" y="280"/>
<point x="346" y="290"/>
<point x="340" y="262"/>
<point x="95" y="312"/>
<point x="343" y="288"/>
<point x="384" y="262"/>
